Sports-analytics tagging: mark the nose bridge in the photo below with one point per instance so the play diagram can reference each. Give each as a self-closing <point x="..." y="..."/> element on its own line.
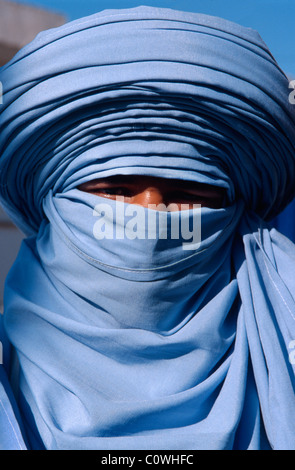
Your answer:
<point x="150" y="195"/>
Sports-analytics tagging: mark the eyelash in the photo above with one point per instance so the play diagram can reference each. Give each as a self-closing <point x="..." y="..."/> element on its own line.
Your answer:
<point x="122" y="191"/>
<point x="188" y="196"/>
<point x="118" y="191"/>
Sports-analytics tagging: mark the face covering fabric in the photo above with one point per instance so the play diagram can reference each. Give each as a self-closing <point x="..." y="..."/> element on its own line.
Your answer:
<point x="138" y="343"/>
<point x="177" y="99"/>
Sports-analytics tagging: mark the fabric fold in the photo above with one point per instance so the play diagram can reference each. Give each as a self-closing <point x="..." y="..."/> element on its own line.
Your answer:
<point x="187" y="105"/>
<point x="137" y="343"/>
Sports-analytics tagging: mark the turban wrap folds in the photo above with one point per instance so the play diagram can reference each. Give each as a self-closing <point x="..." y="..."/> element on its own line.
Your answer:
<point x="188" y="353"/>
<point x="113" y="91"/>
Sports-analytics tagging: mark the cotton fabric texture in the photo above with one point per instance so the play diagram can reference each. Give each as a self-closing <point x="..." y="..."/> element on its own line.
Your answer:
<point x="139" y="344"/>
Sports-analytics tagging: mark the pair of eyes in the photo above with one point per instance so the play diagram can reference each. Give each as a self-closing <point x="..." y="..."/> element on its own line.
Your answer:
<point x="126" y="192"/>
<point x="170" y="196"/>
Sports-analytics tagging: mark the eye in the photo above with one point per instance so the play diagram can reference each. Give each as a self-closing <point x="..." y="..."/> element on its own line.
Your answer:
<point x="113" y="191"/>
<point x="194" y="197"/>
<point x="186" y="196"/>
<point x="183" y="195"/>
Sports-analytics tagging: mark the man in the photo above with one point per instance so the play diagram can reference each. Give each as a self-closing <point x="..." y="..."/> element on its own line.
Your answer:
<point x="122" y="337"/>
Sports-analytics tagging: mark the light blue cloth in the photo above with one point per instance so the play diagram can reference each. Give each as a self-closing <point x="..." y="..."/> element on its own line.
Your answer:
<point x="140" y="344"/>
<point x="12" y="434"/>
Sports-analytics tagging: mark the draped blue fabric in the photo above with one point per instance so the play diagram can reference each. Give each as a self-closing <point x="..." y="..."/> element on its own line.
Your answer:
<point x="285" y="221"/>
<point x="138" y="343"/>
<point x="11" y="429"/>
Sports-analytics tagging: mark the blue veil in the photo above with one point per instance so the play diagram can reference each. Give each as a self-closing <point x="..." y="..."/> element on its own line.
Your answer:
<point x="138" y="343"/>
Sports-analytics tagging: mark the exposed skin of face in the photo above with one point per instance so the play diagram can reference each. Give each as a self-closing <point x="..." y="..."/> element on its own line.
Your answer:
<point x="147" y="190"/>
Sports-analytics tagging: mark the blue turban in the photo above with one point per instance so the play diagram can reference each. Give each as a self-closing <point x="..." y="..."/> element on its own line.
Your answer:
<point x="140" y="344"/>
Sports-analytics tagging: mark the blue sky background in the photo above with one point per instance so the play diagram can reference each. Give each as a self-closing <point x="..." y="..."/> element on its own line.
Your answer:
<point x="274" y="19"/>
